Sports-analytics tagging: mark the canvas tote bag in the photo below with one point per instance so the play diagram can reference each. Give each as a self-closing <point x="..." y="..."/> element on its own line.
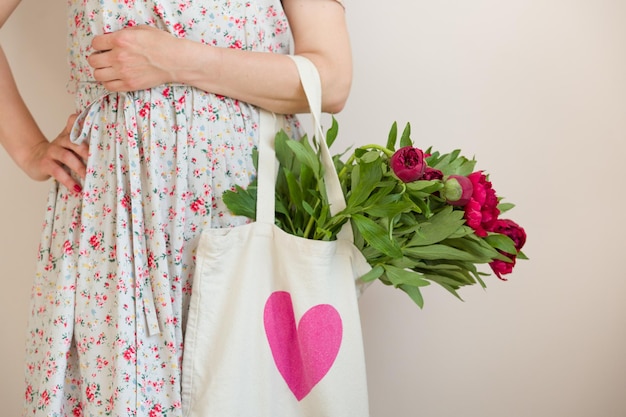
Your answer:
<point x="273" y="327"/>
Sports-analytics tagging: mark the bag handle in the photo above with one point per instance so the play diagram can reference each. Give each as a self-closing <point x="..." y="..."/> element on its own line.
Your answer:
<point x="269" y="125"/>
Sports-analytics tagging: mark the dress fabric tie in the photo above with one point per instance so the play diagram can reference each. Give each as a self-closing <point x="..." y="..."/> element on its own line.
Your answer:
<point x="143" y="280"/>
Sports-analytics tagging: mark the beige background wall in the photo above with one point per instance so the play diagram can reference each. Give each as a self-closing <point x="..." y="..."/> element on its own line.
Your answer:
<point x="536" y="89"/>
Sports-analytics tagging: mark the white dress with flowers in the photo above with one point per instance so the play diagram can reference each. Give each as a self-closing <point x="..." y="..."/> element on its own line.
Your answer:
<point x="115" y="264"/>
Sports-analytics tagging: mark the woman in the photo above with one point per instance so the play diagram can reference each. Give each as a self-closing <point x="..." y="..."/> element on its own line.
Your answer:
<point x="167" y="95"/>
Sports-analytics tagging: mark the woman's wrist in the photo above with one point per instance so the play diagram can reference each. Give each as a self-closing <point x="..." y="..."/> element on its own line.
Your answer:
<point x="197" y="64"/>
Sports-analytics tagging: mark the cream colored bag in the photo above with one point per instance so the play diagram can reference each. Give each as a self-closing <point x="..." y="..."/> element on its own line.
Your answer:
<point x="274" y="327"/>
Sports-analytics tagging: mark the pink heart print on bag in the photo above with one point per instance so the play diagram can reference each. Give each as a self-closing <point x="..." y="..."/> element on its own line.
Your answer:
<point x="304" y="353"/>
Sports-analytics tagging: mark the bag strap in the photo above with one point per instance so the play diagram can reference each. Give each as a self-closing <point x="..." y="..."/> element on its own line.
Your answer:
<point x="269" y="125"/>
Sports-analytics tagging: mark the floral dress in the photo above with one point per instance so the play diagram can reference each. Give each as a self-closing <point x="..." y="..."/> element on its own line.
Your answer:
<point x="115" y="264"/>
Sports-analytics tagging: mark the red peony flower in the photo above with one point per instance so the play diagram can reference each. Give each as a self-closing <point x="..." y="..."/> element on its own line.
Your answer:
<point x="513" y="230"/>
<point x="408" y="164"/>
<point x="518" y="236"/>
<point x="502" y="268"/>
<point x="432" y="174"/>
<point x="481" y="212"/>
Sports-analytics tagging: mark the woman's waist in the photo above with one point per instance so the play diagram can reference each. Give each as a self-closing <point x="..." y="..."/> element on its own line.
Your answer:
<point x="175" y="95"/>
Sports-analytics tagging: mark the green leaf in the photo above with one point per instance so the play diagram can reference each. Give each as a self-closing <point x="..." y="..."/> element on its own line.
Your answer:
<point x="381" y="191"/>
<point x="440" y="251"/>
<point x="331" y="134"/>
<point x="373" y="274"/>
<point x="389" y="208"/>
<point x="461" y="232"/>
<point x="376" y="236"/>
<point x="370" y="157"/>
<point x="393" y="137"/>
<point x="414" y="293"/>
<point x="450" y="287"/>
<point x="405" y="139"/>
<point x="284" y="154"/>
<point x="368" y="176"/>
<point x="452" y="163"/>
<point x="422" y="185"/>
<point x="504" y="207"/>
<point x="474" y="245"/>
<point x="398" y="276"/>
<point x="306" y="155"/>
<point x="501" y="242"/>
<point x="438" y="227"/>
<point x="295" y="192"/>
<point x="241" y="202"/>
<point x="458" y="278"/>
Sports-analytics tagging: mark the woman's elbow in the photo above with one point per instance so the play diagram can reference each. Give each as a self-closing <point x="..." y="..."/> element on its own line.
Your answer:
<point x="335" y="94"/>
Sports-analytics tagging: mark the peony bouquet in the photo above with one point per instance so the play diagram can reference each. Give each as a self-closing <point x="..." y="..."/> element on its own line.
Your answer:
<point x="418" y="216"/>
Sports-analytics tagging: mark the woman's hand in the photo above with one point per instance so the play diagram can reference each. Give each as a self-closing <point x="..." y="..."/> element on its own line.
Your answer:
<point x="133" y="58"/>
<point x="59" y="159"/>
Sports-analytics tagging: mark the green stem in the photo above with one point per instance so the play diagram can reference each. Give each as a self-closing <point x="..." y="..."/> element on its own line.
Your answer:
<point x="311" y="221"/>
<point x="349" y="162"/>
<point x="386" y="151"/>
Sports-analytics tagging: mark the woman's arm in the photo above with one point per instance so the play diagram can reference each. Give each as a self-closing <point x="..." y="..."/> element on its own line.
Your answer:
<point x="143" y="57"/>
<point x="22" y="138"/>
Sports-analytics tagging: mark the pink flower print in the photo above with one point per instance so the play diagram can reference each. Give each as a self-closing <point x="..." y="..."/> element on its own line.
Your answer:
<point x="165" y="92"/>
<point x="77" y="411"/>
<point x="78" y="18"/>
<point x="156" y="411"/>
<point x="44" y="399"/>
<point x="126" y="202"/>
<point x="110" y="403"/>
<point x="151" y="261"/>
<point x="180" y="103"/>
<point x="67" y="248"/>
<point x="101" y="299"/>
<point x="280" y="28"/>
<point x="180" y="30"/>
<point x="199" y="206"/>
<point x="90" y="392"/>
<point x="28" y="395"/>
<point x="113" y="253"/>
<point x="101" y="362"/>
<point x="182" y="6"/>
<point x="95" y="241"/>
<point x="129" y="354"/>
<point x="158" y="10"/>
<point x="237" y="44"/>
<point x="271" y="12"/>
<point x="145" y="110"/>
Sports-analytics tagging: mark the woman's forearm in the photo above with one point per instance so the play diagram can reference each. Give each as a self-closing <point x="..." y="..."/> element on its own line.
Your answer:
<point x="267" y="80"/>
<point x="142" y="57"/>
<point x="19" y="134"/>
<point x="271" y="81"/>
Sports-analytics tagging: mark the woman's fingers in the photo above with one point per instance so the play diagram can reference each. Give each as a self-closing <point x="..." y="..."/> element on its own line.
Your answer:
<point x="82" y="149"/>
<point x="61" y="159"/>
<point x="132" y="58"/>
<point x="103" y="42"/>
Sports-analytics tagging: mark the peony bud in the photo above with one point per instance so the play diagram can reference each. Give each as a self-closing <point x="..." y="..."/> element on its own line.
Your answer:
<point x="513" y="230"/>
<point x="502" y="268"/>
<point x="432" y="174"/>
<point x="408" y="164"/>
<point x="457" y="190"/>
